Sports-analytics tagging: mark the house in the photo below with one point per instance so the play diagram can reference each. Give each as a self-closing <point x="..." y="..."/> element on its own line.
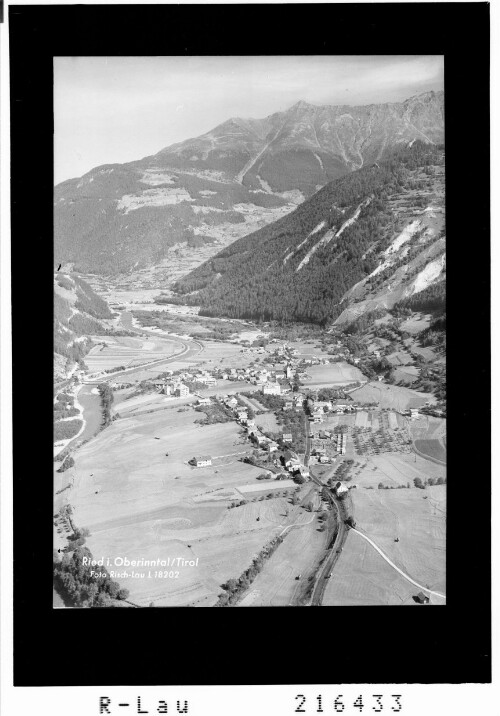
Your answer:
<point x="288" y="405"/>
<point x="203" y="461"/>
<point x="167" y="389"/>
<point x="290" y="458"/>
<point x="318" y="417"/>
<point x="232" y="402"/>
<point x="324" y="459"/>
<point x="204" y="401"/>
<point x="341" y="489"/>
<point x="280" y="375"/>
<point x="414" y="413"/>
<point x="209" y="381"/>
<point x="287" y="437"/>
<point x="289" y="371"/>
<point x="271" y="389"/>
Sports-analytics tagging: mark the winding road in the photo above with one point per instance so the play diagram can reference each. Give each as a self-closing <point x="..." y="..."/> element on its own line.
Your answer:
<point x="403" y="574"/>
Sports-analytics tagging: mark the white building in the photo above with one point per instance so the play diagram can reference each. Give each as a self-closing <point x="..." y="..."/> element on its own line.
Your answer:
<point x="182" y="391"/>
<point x="203" y="461"/>
<point x="271" y="389"/>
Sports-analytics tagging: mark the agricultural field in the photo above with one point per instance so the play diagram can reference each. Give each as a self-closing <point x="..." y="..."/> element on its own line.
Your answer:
<point x="418" y="519"/>
<point x="416" y="323"/>
<point x="400" y="358"/>
<point x="391" y="396"/>
<point x="381" y="432"/>
<point x="433" y="448"/>
<point x="267" y="423"/>
<point x="332" y="374"/>
<point x="429" y="435"/>
<point x="115" y="351"/>
<point x="396" y="470"/>
<point x="427" y="353"/>
<point x="140" y="503"/>
<point x="276" y="585"/>
<point x="407" y="374"/>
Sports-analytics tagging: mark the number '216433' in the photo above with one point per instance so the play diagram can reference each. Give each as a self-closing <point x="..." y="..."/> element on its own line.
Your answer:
<point x="374" y="702"/>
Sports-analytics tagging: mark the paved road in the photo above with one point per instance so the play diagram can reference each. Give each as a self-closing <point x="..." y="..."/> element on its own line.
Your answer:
<point x="409" y="579"/>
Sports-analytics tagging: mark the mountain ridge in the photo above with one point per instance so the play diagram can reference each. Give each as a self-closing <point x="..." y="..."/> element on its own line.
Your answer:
<point x="370" y="238"/>
<point x="223" y="185"/>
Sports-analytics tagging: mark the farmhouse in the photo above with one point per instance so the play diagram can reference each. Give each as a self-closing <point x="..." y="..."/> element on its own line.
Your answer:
<point x="203" y="461"/>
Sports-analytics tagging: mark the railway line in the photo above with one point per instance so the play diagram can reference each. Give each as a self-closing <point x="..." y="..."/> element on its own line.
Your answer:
<point x="334" y="552"/>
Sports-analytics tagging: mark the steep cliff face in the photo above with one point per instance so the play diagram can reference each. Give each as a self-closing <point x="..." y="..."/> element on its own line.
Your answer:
<point x="228" y="182"/>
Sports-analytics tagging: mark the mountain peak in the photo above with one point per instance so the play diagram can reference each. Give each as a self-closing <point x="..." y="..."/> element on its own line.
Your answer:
<point x="301" y="104"/>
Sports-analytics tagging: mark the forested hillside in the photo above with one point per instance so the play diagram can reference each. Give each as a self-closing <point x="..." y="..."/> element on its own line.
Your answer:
<point x="225" y="184"/>
<point x="78" y="312"/>
<point x="302" y="266"/>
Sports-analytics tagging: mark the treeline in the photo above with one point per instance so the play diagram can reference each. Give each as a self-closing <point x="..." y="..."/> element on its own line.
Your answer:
<point x="107" y="398"/>
<point x="235" y="587"/>
<point x="364" y="321"/>
<point x="258" y="277"/>
<point x="73" y="578"/>
<point x="431" y="300"/>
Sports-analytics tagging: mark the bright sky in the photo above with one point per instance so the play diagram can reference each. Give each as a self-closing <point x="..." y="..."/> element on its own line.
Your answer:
<point x="118" y="109"/>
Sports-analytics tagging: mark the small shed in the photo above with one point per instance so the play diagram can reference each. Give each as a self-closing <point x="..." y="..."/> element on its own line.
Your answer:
<point x="422" y="598"/>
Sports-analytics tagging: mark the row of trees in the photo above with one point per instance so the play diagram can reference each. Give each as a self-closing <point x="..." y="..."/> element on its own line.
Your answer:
<point x="107" y="398"/>
<point x="233" y="588"/>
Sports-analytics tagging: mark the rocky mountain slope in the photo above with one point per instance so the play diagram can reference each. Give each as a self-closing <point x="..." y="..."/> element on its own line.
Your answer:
<point x="368" y="239"/>
<point x="78" y="312"/>
<point x="213" y="189"/>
